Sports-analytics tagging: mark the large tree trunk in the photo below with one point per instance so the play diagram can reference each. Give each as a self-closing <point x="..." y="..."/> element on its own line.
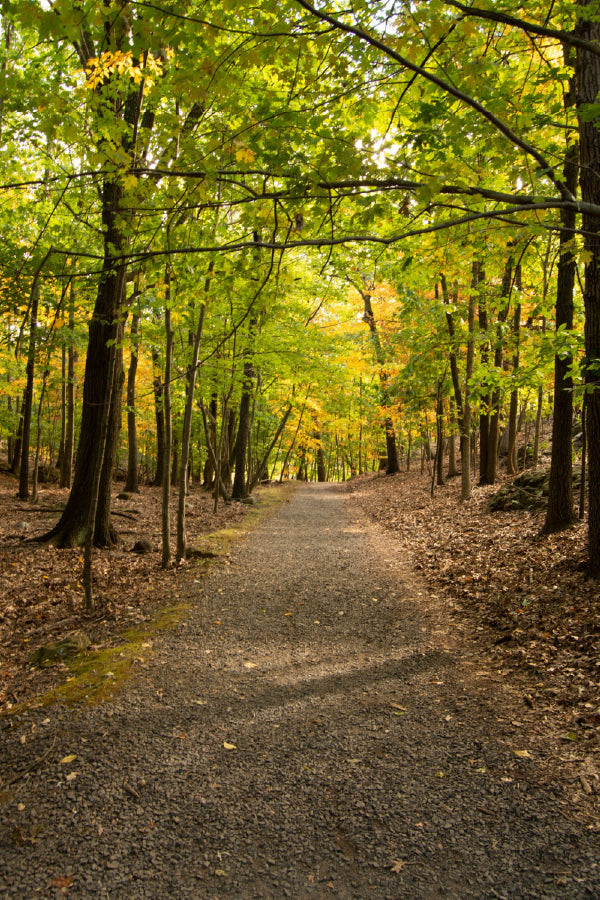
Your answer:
<point x="559" y="513"/>
<point x="99" y="390"/>
<point x="588" y="89"/>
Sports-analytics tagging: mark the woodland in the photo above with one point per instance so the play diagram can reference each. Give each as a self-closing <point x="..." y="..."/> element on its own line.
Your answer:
<point x="258" y="242"/>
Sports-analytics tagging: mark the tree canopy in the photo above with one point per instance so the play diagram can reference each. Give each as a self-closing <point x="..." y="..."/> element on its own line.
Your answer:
<point x="314" y="236"/>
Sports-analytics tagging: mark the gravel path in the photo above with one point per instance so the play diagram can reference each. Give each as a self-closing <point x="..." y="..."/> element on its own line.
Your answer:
<point x="312" y="729"/>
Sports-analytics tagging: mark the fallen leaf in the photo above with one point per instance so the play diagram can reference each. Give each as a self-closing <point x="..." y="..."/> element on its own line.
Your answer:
<point x="397" y="865"/>
<point x="397" y="706"/>
<point x="523" y="754"/>
<point x="229" y="746"/>
<point x="72" y="776"/>
<point x="250" y="665"/>
<point x="68" y="759"/>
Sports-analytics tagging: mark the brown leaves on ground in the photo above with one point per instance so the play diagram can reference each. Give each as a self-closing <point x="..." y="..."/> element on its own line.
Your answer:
<point x="524" y="595"/>
<point x="41" y="597"/>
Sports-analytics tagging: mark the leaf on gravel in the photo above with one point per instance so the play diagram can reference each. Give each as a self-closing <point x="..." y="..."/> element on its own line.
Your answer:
<point x="398" y="865"/>
<point x="397" y="706"/>
<point x="221" y="873"/>
<point x="63" y="882"/>
<point x="72" y="776"/>
<point x="229" y="746"/>
<point x="250" y="665"/>
<point x="68" y="759"/>
<point x="523" y="754"/>
<point x="570" y="736"/>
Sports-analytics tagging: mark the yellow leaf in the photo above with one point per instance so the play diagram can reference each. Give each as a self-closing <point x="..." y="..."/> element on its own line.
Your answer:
<point x="523" y="754"/>
<point x="250" y="665"/>
<point x="72" y="776"/>
<point x="68" y="759"/>
<point x="245" y="155"/>
<point x="229" y="746"/>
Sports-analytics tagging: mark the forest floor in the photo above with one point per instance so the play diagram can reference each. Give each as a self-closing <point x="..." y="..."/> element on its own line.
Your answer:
<point x="374" y="693"/>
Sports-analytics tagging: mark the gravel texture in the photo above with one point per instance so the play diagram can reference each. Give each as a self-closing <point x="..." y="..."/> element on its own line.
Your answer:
<point x="312" y="729"/>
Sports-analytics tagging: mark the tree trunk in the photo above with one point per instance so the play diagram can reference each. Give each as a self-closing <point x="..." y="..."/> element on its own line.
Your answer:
<point x="263" y="463"/>
<point x="131" y="483"/>
<point x="511" y="463"/>
<point x="28" y="395"/>
<point x="321" y="474"/>
<point x="187" y="423"/>
<point x="484" y="416"/>
<point x="38" y="443"/>
<point x="101" y="390"/>
<point x="393" y="465"/>
<point x="439" y="427"/>
<point x="559" y="512"/>
<point x="159" y="413"/>
<point x="588" y="88"/>
<point x="240" y="488"/>
<point x="494" y="431"/>
<point x="465" y="432"/>
<point x="168" y="437"/>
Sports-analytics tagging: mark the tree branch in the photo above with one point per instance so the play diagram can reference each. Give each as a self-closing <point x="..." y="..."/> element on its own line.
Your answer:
<point x="448" y="88"/>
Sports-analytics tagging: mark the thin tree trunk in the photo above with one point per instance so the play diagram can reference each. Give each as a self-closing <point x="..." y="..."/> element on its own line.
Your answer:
<point x="263" y="463"/>
<point x="38" y="443"/>
<point x="168" y="437"/>
<point x="187" y="422"/>
<point x="512" y="467"/>
<point x="29" y="374"/>
<point x="131" y="483"/>
<point x="494" y="432"/>
<point x="465" y="433"/>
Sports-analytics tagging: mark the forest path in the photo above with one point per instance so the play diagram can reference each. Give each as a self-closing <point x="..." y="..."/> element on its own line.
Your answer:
<point x="312" y="729"/>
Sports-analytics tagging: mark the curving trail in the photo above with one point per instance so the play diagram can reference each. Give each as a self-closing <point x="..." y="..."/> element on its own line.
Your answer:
<point x="312" y="729"/>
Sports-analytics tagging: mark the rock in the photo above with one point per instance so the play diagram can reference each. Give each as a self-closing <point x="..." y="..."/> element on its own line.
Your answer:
<point x="142" y="546"/>
<point x="528" y="491"/>
<point x="58" y="651"/>
<point x="124" y="495"/>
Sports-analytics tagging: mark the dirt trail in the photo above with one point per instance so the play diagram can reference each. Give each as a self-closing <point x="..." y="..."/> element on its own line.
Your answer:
<point x="313" y="729"/>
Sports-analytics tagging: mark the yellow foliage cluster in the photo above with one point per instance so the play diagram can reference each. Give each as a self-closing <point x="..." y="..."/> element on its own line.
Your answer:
<point x="145" y="69"/>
